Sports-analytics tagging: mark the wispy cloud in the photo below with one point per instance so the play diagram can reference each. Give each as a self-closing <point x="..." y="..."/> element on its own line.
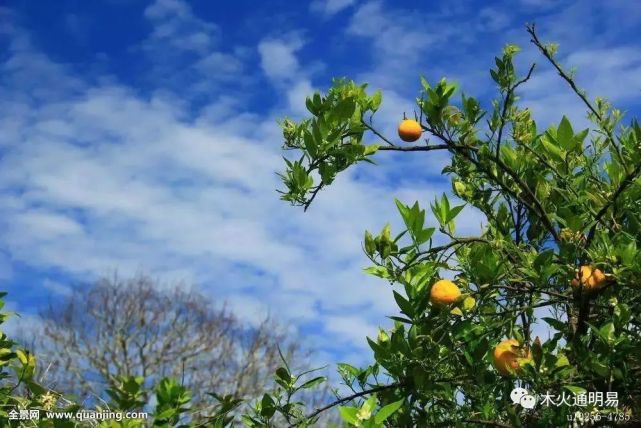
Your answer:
<point x="187" y="54"/>
<point x="278" y="57"/>
<point x="104" y="178"/>
<point x="330" y="7"/>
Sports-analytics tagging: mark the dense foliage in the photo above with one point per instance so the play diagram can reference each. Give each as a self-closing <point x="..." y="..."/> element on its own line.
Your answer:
<point x="561" y="207"/>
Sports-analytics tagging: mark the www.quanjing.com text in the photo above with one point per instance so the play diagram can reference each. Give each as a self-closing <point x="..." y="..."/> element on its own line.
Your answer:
<point x="81" y="415"/>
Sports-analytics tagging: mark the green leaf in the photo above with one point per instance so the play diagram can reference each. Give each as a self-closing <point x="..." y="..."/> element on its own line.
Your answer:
<point x="348" y="369"/>
<point x="456" y="311"/>
<point x="598" y="367"/>
<point x="495" y="76"/>
<point x="379" y="271"/>
<point x="370" y="245"/>
<point x="556" y="324"/>
<point x="313" y="382"/>
<point x="386" y="233"/>
<point x="405" y="212"/>
<point x="401" y="319"/>
<point x="552" y="149"/>
<point x="537" y="352"/>
<point x="404" y="304"/>
<point x="348" y="414"/>
<point x="365" y="412"/>
<point x="22" y="356"/>
<point x="565" y="134"/>
<point x="579" y="138"/>
<point x="283" y="373"/>
<point x="622" y="314"/>
<point x="344" y="109"/>
<point x="267" y="406"/>
<point x="375" y="101"/>
<point x="371" y="149"/>
<point x="387" y="411"/>
<point x="425" y="84"/>
<point x="310" y="106"/>
<point x="424" y="235"/>
<point x="562" y="361"/>
<point x="576" y="390"/>
<point x="468" y="303"/>
<point x="608" y="332"/>
<point x="454" y="212"/>
<point x="310" y="144"/>
<point x="250" y="422"/>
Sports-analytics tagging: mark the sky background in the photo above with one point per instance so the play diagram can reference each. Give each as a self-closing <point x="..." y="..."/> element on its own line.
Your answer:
<point x="141" y="136"/>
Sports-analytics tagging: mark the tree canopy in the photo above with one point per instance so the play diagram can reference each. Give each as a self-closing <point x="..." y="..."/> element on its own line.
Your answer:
<point x="561" y="236"/>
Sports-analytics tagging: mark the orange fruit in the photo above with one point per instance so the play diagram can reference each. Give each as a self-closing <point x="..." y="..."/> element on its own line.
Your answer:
<point x="409" y="130"/>
<point x="509" y="355"/>
<point x="444" y="292"/>
<point x="590" y="279"/>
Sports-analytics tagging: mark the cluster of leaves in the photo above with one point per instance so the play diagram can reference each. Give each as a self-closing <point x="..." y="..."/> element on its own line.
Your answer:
<point x="329" y="142"/>
<point x="553" y="200"/>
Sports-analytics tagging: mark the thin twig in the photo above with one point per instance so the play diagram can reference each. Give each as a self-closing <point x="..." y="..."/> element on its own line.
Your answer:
<point x="537" y="208"/>
<point x="350" y="398"/>
<point x="535" y="40"/>
<point x="378" y="134"/>
<point x="506" y="104"/>
<point x="416" y="148"/>
<point x="311" y="199"/>
<point x="627" y="181"/>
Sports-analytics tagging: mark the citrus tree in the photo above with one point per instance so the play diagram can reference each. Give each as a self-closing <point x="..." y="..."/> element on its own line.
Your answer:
<point x="558" y="250"/>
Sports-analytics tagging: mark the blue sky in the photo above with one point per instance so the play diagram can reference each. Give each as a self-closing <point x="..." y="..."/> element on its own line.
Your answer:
<point x="142" y="136"/>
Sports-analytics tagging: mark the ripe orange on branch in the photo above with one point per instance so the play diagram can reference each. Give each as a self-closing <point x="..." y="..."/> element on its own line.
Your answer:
<point x="508" y="356"/>
<point x="444" y="292"/>
<point x="588" y="278"/>
<point x="409" y="130"/>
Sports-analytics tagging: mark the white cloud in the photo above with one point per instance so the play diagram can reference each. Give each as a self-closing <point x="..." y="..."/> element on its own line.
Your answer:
<point x="48" y="225"/>
<point x="493" y="19"/>
<point x="175" y="25"/>
<point x="278" y="59"/>
<point x="157" y="192"/>
<point x="186" y="54"/>
<point x="352" y="327"/>
<point x="57" y="288"/>
<point x="296" y="96"/>
<point x="23" y="327"/>
<point x="6" y="269"/>
<point x="395" y="37"/>
<point x="217" y="62"/>
<point x="330" y="7"/>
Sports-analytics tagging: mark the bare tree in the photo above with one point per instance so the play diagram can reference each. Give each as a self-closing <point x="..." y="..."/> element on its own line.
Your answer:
<point x="139" y="327"/>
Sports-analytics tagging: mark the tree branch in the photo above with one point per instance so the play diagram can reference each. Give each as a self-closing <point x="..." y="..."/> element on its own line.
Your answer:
<point x="535" y="40"/>
<point x="506" y="104"/>
<point x="311" y="199"/>
<point x="350" y="398"/>
<point x="537" y="208"/>
<point x="627" y="181"/>
<point x="415" y="148"/>
<point x="378" y="134"/>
